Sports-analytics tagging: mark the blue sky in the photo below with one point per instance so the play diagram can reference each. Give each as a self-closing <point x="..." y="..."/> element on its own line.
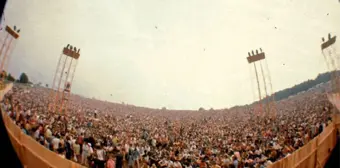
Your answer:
<point x="196" y="57"/>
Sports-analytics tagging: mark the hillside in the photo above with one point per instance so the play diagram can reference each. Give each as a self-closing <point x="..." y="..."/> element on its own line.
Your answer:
<point x="304" y="86"/>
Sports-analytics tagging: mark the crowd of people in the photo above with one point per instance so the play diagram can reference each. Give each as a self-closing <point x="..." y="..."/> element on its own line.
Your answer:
<point x="103" y="134"/>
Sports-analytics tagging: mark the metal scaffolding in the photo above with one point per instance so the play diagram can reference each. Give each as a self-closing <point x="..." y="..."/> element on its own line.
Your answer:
<point x="332" y="61"/>
<point x="8" y="44"/>
<point x="266" y="99"/>
<point x="63" y="78"/>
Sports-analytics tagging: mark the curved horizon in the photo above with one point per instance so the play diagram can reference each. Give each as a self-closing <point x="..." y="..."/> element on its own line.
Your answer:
<point x="173" y="54"/>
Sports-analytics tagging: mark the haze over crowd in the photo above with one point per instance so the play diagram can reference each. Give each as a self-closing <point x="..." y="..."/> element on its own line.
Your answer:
<point x="177" y="54"/>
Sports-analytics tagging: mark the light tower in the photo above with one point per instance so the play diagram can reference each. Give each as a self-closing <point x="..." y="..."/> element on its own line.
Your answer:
<point x="8" y="44"/>
<point x="62" y="81"/>
<point x="265" y="95"/>
<point x="332" y="61"/>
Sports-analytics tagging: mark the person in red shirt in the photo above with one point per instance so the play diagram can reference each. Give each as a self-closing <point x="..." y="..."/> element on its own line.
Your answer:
<point x="110" y="162"/>
<point x="80" y="141"/>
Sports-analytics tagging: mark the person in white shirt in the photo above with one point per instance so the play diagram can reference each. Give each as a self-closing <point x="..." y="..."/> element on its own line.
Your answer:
<point x="55" y="143"/>
<point x="37" y="133"/>
<point x="86" y="153"/>
<point x="100" y="157"/>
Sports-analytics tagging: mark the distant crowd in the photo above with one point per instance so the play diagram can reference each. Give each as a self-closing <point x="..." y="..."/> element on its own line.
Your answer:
<point x="101" y="134"/>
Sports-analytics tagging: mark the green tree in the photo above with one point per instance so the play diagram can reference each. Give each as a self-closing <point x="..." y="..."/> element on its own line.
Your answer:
<point x="3" y="74"/>
<point x="23" y="78"/>
<point x="10" y="78"/>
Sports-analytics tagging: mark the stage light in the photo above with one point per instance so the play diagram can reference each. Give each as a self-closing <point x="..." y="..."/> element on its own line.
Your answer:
<point x="67" y="45"/>
<point x="252" y="52"/>
<point x="78" y="50"/>
<point x="18" y="31"/>
<point x="249" y="54"/>
<point x="323" y="39"/>
<point x="260" y="49"/>
<point x="329" y="36"/>
<point x="75" y="49"/>
<point x="257" y="52"/>
<point x="15" y="27"/>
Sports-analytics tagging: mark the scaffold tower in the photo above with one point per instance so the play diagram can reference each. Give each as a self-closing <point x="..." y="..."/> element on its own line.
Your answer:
<point x="9" y="39"/>
<point x="332" y="61"/>
<point x="265" y="97"/>
<point x="63" y="78"/>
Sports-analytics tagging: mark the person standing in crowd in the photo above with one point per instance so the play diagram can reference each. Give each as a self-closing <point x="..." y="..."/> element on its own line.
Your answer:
<point x="37" y="133"/>
<point x="110" y="162"/>
<point x="119" y="159"/>
<point x="76" y="150"/>
<point x="55" y="142"/>
<point x="130" y="158"/>
<point x="85" y="154"/>
<point x="136" y="156"/>
<point x="68" y="148"/>
<point x="235" y="161"/>
<point x="101" y="156"/>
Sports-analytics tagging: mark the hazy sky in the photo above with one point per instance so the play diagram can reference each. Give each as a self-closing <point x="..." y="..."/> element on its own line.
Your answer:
<point x="196" y="57"/>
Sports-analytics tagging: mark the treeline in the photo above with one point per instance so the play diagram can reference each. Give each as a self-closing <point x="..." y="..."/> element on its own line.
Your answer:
<point x="304" y="86"/>
<point x="22" y="79"/>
